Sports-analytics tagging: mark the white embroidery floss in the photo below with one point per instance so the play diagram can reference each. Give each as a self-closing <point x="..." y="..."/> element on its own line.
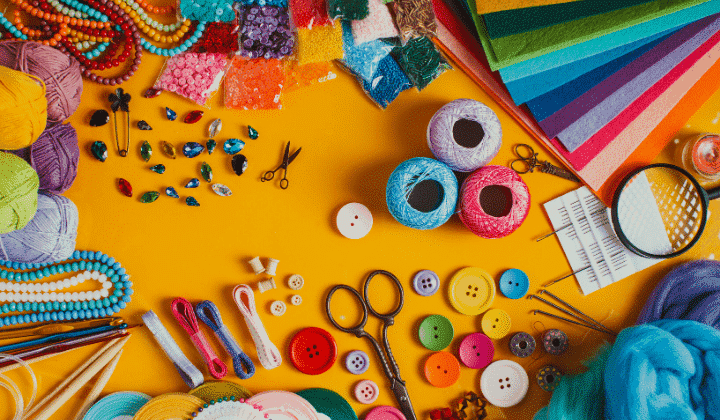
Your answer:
<point x="256" y="265"/>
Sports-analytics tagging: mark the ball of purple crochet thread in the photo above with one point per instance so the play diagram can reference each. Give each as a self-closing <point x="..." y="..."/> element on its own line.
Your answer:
<point x="691" y="291"/>
<point x="50" y="235"/>
<point x="55" y="156"/>
<point x="60" y="73"/>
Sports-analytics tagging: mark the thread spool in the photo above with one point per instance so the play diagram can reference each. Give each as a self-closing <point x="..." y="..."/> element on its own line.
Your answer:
<point x="701" y="155"/>
<point x="464" y="134"/>
<point x="18" y="192"/>
<point x="169" y="406"/>
<point x="60" y="73"/>
<point x="265" y="285"/>
<point x="555" y="342"/>
<point x="54" y="156"/>
<point x="257" y="265"/>
<point x="272" y="266"/>
<point x="50" y="235"/>
<point x="494" y="202"/>
<point x="422" y="193"/>
<point x="23" y="108"/>
<point x="117" y="405"/>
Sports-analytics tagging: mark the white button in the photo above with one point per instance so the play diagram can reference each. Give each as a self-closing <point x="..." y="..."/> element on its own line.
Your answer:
<point x="296" y="300"/>
<point x="296" y="282"/>
<point x="354" y="220"/>
<point x="278" y="308"/>
<point x="504" y="383"/>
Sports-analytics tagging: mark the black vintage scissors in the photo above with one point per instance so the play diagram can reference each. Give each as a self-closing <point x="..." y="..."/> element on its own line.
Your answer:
<point x="528" y="160"/>
<point x="287" y="160"/>
<point x="392" y="372"/>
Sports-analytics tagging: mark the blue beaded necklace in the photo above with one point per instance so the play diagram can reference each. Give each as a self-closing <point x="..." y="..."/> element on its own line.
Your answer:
<point x="33" y="312"/>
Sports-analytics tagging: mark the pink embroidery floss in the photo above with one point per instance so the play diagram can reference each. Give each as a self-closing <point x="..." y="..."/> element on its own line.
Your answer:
<point x="494" y="202"/>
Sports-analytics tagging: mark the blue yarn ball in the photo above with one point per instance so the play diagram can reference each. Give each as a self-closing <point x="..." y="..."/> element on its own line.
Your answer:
<point x="402" y="182"/>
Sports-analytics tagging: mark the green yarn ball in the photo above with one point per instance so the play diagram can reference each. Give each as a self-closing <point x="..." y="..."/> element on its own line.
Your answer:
<point x="19" y="185"/>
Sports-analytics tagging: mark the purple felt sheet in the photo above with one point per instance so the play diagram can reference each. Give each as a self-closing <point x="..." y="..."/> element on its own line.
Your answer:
<point x="581" y="119"/>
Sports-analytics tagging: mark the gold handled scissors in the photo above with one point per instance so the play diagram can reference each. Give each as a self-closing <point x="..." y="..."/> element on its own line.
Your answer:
<point x="528" y="160"/>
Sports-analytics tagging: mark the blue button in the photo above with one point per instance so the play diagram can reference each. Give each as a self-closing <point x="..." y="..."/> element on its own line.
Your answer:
<point x="514" y="283"/>
<point x="357" y="362"/>
<point x="426" y="283"/>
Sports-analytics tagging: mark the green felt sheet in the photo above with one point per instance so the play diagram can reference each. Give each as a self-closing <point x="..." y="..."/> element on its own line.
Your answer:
<point x="513" y="49"/>
<point x="511" y="22"/>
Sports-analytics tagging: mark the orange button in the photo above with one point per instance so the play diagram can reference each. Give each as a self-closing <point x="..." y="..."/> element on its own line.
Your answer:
<point x="442" y="369"/>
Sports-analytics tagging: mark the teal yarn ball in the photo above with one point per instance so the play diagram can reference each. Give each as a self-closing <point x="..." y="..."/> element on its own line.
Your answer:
<point x="19" y="185"/>
<point x="416" y="176"/>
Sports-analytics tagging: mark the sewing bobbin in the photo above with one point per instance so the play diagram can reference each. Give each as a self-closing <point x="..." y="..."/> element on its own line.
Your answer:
<point x="272" y="266"/>
<point x="548" y="377"/>
<point x="555" y="342"/>
<point x="257" y="265"/>
<point x="265" y="285"/>
<point x="522" y="344"/>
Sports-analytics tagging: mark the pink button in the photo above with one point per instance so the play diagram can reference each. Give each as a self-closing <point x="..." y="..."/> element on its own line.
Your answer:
<point x="476" y="351"/>
<point x="366" y="391"/>
<point x="385" y="412"/>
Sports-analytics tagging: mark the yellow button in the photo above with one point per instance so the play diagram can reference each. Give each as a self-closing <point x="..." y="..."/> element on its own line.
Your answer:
<point x="496" y="323"/>
<point x="472" y="291"/>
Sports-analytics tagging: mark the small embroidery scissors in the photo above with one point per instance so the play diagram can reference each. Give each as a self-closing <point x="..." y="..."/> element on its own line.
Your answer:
<point x="392" y="371"/>
<point x="528" y="160"/>
<point x="287" y="160"/>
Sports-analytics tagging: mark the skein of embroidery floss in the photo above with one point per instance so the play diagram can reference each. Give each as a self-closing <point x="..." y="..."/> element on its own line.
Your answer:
<point x="422" y="193"/>
<point x="50" y="235"/>
<point x="465" y="135"/>
<point x="23" y="107"/>
<point x="18" y="192"/>
<point x="494" y="201"/>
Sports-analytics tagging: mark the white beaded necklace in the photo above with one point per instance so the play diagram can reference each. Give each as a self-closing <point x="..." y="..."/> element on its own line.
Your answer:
<point x="46" y="292"/>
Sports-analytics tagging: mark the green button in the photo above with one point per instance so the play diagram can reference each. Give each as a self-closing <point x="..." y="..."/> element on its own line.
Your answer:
<point x="436" y="332"/>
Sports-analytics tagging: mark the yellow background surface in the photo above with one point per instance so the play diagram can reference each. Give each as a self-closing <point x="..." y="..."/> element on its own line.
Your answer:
<point x="350" y="147"/>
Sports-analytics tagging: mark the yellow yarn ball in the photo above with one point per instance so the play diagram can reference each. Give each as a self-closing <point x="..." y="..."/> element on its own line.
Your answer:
<point x="19" y="185"/>
<point x="23" y="107"/>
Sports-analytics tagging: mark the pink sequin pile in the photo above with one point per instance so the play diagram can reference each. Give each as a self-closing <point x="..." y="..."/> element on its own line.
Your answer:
<point x="196" y="76"/>
<point x="254" y="84"/>
<point x="379" y="24"/>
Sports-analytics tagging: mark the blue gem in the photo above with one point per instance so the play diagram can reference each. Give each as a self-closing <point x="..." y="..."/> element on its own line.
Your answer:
<point x="171" y="115"/>
<point x="192" y="149"/>
<point x="233" y="146"/>
<point x="170" y="191"/>
<point x="211" y="145"/>
<point x="158" y="168"/>
<point x="191" y="201"/>
<point x="194" y="183"/>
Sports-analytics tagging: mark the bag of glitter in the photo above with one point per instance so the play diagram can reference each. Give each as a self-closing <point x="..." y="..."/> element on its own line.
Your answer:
<point x="265" y="32"/>
<point x="348" y="9"/>
<point x="254" y="83"/>
<point x="302" y="75"/>
<point x="421" y="61"/>
<point x="386" y="83"/>
<point x="415" y="19"/>
<point x="363" y="59"/>
<point x="196" y="76"/>
<point x="309" y="13"/>
<point x="218" y="37"/>
<point x="206" y="10"/>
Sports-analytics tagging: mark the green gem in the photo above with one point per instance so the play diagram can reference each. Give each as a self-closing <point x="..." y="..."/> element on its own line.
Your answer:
<point x="225" y="398"/>
<point x="212" y="402"/>
<point x="232" y="398"/>
<point x="149" y="197"/>
<point x="205" y="406"/>
<point x="206" y="172"/>
<point x="253" y="133"/>
<point x="146" y="151"/>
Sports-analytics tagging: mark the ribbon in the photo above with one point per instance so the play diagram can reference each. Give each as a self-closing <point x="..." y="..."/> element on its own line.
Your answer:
<point x="208" y="313"/>
<point x="189" y="373"/>
<point x="268" y="354"/>
<point x="185" y="315"/>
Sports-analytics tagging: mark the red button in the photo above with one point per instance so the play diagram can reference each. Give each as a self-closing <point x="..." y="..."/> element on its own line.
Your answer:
<point x="313" y="351"/>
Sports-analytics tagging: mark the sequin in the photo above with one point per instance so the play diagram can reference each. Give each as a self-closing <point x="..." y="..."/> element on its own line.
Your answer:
<point x="415" y="18"/>
<point x="193" y="183"/>
<point x="125" y="187"/>
<point x="193" y="117"/>
<point x="195" y="76"/>
<point x="218" y="37"/>
<point x="206" y="172"/>
<point x="170" y="114"/>
<point x="297" y="76"/>
<point x="207" y="10"/>
<point x="143" y="125"/>
<point x="169" y="150"/>
<point x="160" y="168"/>
<point x="387" y="82"/>
<point x="215" y="128"/>
<point x="421" y="61"/>
<point x="309" y="13"/>
<point x="149" y="197"/>
<point x="99" y="150"/>
<point x="233" y="146"/>
<point x="265" y="32"/>
<point x="146" y="151"/>
<point x="192" y="202"/>
<point x="254" y="84"/>
<point x="278" y="3"/>
<point x="170" y="192"/>
<point x="363" y="59"/>
<point x="347" y="9"/>
<point x="221" y="190"/>
<point x="379" y="24"/>
<point x="321" y="43"/>
<point x="211" y="145"/>
<point x="99" y="118"/>
<point x="192" y="149"/>
<point x="239" y="164"/>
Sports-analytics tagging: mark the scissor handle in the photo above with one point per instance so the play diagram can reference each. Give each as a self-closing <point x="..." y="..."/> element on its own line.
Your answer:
<point x="284" y="183"/>
<point x="358" y="329"/>
<point x="528" y="153"/>
<point x="389" y="317"/>
<point x="527" y="165"/>
<point x="267" y="176"/>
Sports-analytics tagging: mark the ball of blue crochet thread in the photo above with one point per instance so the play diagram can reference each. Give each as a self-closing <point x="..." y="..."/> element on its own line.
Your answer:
<point x="409" y="175"/>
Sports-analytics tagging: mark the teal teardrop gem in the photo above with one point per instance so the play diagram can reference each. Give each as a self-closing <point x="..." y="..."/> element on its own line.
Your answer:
<point x="158" y="168"/>
<point x="211" y="145"/>
<point x="149" y="197"/>
<point x="192" y="202"/>
<point x="221" y="190"/>
<point x="253" y="133"/>
<point x="99" y="150"/>
<point x="206" y="172"/>
<point x="170" y="191"/>
<point x="233" y="146"/>
<point x="146" y="151"/>
<point x="171" y="115"/>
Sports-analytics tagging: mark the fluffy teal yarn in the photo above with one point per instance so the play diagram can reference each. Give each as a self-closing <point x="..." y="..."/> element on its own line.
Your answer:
<point x="667" y="369"/>
<point x="401" y="183"/>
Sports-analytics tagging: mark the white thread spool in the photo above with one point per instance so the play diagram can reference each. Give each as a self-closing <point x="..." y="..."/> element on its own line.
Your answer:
<point x="296" y="300"/>
<point x="272" y="266"/>
<point x="257" y="265"/>
<point x="266" y="285"/>
<point x="296" y="282"/>
<point x="464" y="134"/>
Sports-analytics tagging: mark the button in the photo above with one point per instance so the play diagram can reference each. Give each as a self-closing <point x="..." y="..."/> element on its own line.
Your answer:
<point x="442" y="369"/>
<point x="313" y="351"/>
<point x="472" y="291"/>
<point x="278" y="308"/>
<point x="436" y="332"/>
<point x="354" y="221"/>
<point x="504" y="383"/>
<point x="296" y="282"/>
<point x="367" y="391"/>
<point x="476" y="351"/>
<point x="357" y="362"/>
<point x="385" y="412"/>
<point x="548" y="377"/>
<point x="426" y="283"/>
<point x="555" y="342"/>
<point x="522" y="344"/>
<point x="514" y="283"/>
<point x="296" y="300"/>
<point x="496" y="323"/>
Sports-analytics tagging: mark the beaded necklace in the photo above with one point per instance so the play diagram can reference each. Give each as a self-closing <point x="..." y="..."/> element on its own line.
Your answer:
<point x="43" y="302"/>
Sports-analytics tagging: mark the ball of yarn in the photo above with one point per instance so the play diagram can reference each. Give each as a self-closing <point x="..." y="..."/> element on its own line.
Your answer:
<point x="690" y="291"/>
<point x="50" y="235"/>
<point x="428" y="184"/>
<point x="18" y="192"/>
<point x="465" y="135"/>
<point x="23" y="108"/>
<point x="60" y="73"/>
<point x="55" y="157"/>
<point x="494" y="201"/>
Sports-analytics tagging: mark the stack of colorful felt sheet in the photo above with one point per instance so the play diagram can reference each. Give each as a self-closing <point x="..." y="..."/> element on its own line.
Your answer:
<point x="604" y="85"/>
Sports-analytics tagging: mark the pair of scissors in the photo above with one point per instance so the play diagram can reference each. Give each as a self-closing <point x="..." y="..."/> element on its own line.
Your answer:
<point x="528" y="161"/>
<point x="392" y="371"/>
<point x="287" y="160"/>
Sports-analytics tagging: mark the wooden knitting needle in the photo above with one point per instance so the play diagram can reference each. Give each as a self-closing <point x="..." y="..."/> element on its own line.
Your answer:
<point x="99" y="386"/>
<point x="16" y="365"/>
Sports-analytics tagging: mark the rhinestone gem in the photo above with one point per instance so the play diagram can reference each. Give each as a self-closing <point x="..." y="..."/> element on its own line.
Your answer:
<point x="99" y="118"/>
<point x="99" y="150"/>
<point x="169" y="150"/>
<point x="170" y="192"/>
<point x="253" y="133"/>
<point x="206" y="172"/>
<point x="211" y="145"/>
<point x="146" y="151"/>
<point x="158" y="168"/>
<point x="239" y="164"/>
<point x="192" y="149"/>
<point x="149" y="197"/>
<point x="125" y="187"/>
<point x="171" y="115"/>
<point x="193" y="117"/>
<point x="192" y="202"/>
<point x="233" y="146"/>
<point x="143" y="125"/>
<point x="193" y="183"/>
<point x="221" y="190"/>
<point x="215" y="128"/>
<point x="152" y="93"/>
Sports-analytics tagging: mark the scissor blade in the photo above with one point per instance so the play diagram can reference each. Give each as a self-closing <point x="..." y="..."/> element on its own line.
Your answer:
<point x="294" y="155"/>
<point x="286" y="157"/>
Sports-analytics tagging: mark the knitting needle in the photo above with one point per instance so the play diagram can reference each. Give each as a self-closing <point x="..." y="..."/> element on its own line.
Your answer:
<point x="61" y="336"/>
<point x="563" y="310"/>
<point x="50" y="328"/>
<point x="588" y="317"/>
<point x="99" y="386"/>
<point x="536" y="311"/>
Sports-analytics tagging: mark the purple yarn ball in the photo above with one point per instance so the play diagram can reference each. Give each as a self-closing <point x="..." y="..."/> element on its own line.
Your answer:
<point x="690" y="291"/>
<point x="50" y="235"/>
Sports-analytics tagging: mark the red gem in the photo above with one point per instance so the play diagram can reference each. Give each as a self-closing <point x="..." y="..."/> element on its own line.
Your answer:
<point x="193" y="117"/>
<point x="125" y="187"/>
<point x="152" y="93"/>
